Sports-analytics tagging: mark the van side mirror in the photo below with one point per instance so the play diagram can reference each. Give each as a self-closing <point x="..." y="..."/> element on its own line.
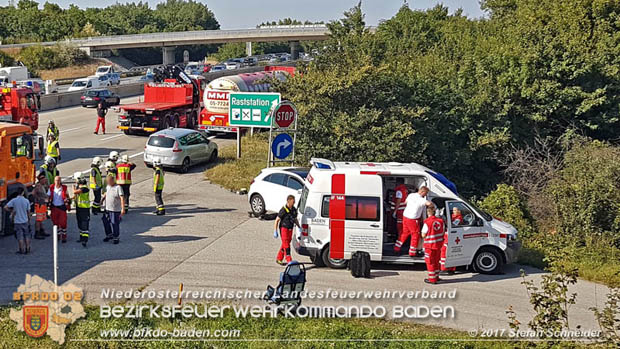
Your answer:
<point x="479" y="222"/>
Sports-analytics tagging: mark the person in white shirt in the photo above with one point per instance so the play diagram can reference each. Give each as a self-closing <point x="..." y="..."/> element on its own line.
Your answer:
<point x="20" y="213"/>
<point x="412" y="221"/>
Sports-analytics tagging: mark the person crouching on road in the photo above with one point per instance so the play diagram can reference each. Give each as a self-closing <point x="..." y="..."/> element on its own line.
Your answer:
<point x="102" y="110"/>
<point x="158" y="187"/>
<point x="412" y="219"/>
<point x="40" y="205"/>
<point x="114" y="209"/>
<point x="123" y="177"/>
<point x="81" y="197"/>
<point x="95" y="183"/>
<point x="20" y="213"/>
<point x="287" y="218"/>
<point x="433" y="234"/>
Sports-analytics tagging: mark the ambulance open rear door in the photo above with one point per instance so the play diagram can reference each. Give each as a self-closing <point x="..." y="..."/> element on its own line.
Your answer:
<point x="356" y="216"/>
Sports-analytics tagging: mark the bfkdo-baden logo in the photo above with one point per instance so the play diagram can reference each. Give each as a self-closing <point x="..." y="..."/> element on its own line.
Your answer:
<point x="35" y="319"/>
<point x="47" y="308"/>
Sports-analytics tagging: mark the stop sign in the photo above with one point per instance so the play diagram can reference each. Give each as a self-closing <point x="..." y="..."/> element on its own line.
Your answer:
<point x="285" y="114"/>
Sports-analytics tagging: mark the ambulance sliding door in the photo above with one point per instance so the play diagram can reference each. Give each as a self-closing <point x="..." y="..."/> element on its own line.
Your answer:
<point x="356" y="216"/>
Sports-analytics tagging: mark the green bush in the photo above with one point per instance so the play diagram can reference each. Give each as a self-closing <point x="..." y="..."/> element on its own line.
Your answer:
<point x="506" y="204"/>
<point x="44" y="58"/>
<point x="6" y="60"/>
<point x="586" y="195"/>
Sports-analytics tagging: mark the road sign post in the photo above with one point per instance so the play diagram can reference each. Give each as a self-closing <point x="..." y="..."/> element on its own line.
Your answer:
<point x="248" y="109"/>
<point x="283" y="125"/>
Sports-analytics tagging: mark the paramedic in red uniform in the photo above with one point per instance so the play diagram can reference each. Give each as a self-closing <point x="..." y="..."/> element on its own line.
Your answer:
<point x="412" y="221"/>
<point x="287" y="218"/>
<point x="433" y="233"/>
<point x="60" y="204"/>
<point x="456" y="219"/>
<point x="400" y="196"/>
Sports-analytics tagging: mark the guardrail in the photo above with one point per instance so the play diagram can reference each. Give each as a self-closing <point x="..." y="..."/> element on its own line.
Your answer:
<point x="70" y="99"/>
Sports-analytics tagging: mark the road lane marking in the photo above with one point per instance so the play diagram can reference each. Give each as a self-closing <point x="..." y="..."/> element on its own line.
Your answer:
<point x="136" y="154"/>
<point x="71" y="129"/>
<point x="111" y="137"/>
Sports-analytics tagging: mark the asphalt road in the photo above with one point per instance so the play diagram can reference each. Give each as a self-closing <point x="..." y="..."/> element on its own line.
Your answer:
<point x="207" y="242"/>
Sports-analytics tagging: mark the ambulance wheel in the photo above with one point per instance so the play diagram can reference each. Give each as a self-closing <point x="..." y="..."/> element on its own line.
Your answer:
<point x="257" y="204"/>
<point x="331" y="262"/>
<point x="488" y="261"/>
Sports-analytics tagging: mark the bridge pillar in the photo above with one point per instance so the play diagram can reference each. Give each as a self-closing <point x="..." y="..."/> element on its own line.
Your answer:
<point x="294" y="50"/>
<point x="168" y="55"/>
<point x="248" y="48"/>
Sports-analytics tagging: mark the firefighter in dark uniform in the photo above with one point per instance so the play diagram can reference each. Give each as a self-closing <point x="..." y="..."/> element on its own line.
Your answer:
<point x="81" y="197"/>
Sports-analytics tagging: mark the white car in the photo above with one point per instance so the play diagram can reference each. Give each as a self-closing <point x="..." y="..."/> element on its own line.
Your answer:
<point x="270" y="188"/>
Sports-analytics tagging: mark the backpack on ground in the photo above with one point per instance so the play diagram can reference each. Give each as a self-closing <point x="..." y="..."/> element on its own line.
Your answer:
<point x="360" y="264"/>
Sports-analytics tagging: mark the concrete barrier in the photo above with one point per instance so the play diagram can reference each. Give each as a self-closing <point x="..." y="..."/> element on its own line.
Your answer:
<point x="70" y="99"/>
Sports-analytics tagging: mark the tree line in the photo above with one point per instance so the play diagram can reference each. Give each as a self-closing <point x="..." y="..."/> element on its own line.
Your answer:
<point x="28" y="22"/>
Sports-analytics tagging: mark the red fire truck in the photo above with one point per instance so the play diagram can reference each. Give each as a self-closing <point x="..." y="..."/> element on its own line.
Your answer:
<point x="214" y="115"/>
<point x="172" y="100"/>
<point x="20" y="104"/>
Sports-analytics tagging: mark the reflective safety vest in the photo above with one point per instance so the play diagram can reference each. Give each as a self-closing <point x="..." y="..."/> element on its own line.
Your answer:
<point x="52" y="149"/>
<point x="21" y="150"/>
<point x="435" y="232"/>
<point x="95" y="181"/>
<point x="50" y="175"/>
<point x="53" y="129"/>
<point x="82" y="200"/>
<point x="158" y="184"/>
<point x="123" y="173"/>
<point x="402" y="189"/>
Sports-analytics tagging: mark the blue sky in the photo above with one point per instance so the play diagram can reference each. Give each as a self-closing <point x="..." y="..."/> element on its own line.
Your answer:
<point x="248" y="13"/>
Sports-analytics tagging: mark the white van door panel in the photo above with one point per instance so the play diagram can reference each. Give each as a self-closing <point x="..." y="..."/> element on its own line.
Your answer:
<point x="356" y="219"/>
<point x="463" y="235"/>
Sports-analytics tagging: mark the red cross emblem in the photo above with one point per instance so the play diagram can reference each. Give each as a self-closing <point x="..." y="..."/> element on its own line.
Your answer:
<point x="457" y="240"/>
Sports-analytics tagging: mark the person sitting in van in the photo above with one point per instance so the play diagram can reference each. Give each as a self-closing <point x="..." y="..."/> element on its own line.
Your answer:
<point x="287" y="218"/>
<point x="412" y="221"/>
<point x="457" y="216"/>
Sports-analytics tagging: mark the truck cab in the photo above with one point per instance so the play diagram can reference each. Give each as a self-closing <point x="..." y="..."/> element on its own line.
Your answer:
<point x="20" y="104"/>
<point x="17" y="168"/>
<point x="345" y="208"/>
<point x="104" y="70"/>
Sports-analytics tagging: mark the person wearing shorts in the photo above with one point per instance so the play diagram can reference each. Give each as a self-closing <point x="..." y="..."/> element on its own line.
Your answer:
<point x="19" y="207"/>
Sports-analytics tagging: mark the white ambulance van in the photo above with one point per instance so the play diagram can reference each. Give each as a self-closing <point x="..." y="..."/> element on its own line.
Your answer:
<point x="344" y="208"/>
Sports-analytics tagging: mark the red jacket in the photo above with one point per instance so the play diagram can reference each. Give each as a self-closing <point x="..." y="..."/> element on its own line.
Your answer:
<point x="65" y="197"/>
<point x="435" y="234"/>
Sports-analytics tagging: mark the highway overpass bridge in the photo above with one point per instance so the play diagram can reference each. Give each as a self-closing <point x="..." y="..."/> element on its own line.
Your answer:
<point x="100" y="45"/>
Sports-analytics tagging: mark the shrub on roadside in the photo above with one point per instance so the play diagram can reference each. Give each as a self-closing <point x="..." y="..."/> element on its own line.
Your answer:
<point x="59" y="56"/>
<point x="504" y="202"/>
<point x="6" y="60"/>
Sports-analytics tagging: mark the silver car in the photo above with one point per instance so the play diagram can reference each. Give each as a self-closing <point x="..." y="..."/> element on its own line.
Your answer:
<point x="179" y="148"/>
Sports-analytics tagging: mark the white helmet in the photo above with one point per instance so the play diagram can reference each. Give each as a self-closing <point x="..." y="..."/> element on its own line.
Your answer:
<point x="19" y="141"/>
<point x="51" y="122"/>
<point x="157" y="162"/>
<point x="97" y="161"/>
<point x="78" y="176"/>
<point x="125" y="158"/>
<point x="113" y="155"/>
<point x="109" y="165"/>
<point x="50" y="160"/>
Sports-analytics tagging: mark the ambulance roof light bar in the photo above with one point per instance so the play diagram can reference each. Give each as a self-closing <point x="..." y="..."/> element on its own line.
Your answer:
<point x="323" y="164"/>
